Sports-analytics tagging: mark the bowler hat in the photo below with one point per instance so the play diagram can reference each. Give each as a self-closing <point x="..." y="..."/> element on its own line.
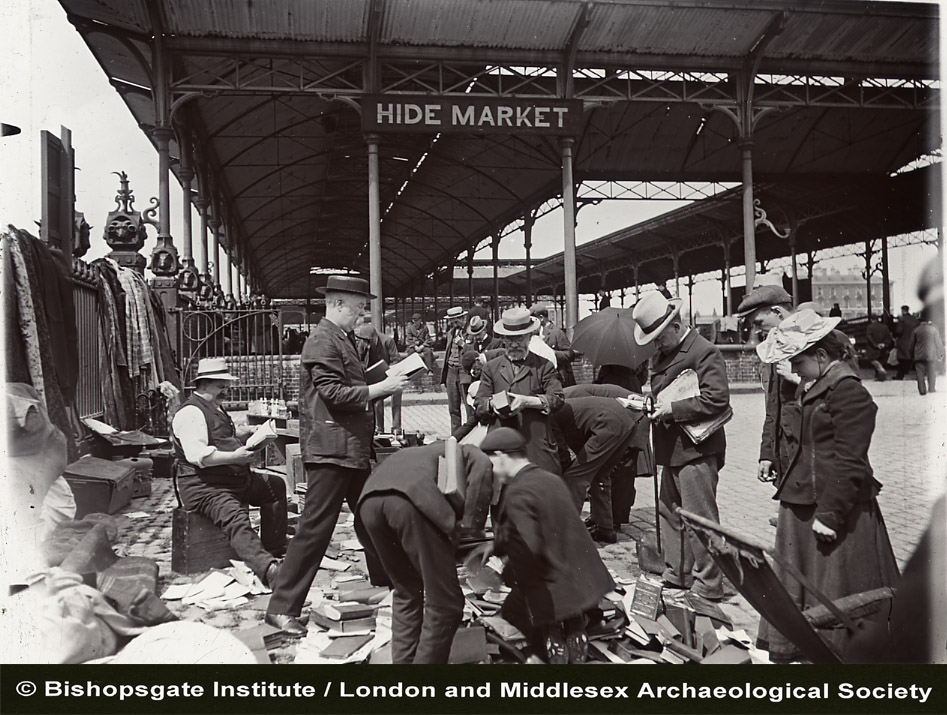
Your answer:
<point x="794" y="335"/>
<point x="763" y="297"/>
<point x="346" y="284"/>
<point x="213" y="369"/>
<point x="504" y="439"/>
<point x="653" y="313"/>
<point x="516" y="321"/>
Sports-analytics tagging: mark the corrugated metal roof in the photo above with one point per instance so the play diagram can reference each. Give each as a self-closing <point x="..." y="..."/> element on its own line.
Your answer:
<point x="293" y="168"/>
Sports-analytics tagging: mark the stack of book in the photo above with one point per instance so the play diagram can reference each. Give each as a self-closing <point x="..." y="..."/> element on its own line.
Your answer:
<point x="344" y="618"/>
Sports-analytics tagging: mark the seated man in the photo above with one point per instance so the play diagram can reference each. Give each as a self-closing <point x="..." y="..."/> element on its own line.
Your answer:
<point x="417" y="339"/>
<point x="214" y="477"/>
<point x="414" y="530"/>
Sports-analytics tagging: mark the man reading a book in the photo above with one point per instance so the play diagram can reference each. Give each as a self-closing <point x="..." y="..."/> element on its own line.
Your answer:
<point x="336" y="426"/>
<point x="414" y="529"/>
<point x="690" y="469"/>
<point x="214" y="477"/>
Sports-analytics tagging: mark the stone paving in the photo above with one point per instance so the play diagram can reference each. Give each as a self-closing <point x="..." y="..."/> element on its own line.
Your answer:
<point x="907" y="453"/>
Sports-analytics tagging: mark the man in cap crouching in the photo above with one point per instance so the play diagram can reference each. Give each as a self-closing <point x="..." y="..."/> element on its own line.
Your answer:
<point x="689" y="478"/>
<point x="214" y="477"/>
<point x="553" y="567"/>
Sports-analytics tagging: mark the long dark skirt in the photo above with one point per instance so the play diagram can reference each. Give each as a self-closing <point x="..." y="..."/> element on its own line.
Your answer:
<point x="860" y="559"/>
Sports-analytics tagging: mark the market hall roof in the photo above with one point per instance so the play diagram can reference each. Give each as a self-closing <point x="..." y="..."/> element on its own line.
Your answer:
<point x="266" y="93"/>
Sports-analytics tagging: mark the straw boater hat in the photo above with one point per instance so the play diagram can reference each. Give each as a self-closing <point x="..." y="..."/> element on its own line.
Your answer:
<point x="346" y="284"/>
<point x="653" y="313"/>
<point x="476" y="327"/>
<point x="796" y="333"/>
<point x="516" y="321"/>
<point x="455" y="312"/>
<point x="213" y="369"/>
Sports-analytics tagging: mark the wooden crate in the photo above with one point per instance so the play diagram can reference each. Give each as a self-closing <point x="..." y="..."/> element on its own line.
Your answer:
<point x="196" y="544"/>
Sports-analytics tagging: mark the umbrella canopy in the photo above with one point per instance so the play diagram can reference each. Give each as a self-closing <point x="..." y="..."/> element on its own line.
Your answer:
<point x="608" y="338"/>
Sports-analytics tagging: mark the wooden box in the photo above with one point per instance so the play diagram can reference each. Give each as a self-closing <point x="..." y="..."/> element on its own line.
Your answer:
<point x="295" y="473"/>
<point x="99" y="485"/>
<point x="196" y="544"/>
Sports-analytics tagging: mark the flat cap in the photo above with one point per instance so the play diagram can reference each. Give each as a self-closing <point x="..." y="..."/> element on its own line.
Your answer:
<point x="763" y="297"/>
<point x="504" y="439"/>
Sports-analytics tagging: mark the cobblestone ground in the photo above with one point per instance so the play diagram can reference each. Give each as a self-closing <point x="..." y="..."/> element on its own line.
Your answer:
<point x="908" y="455"/>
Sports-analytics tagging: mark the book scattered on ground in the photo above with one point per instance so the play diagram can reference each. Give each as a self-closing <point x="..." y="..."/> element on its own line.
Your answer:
<point x="345" y="646"/>
<point x="347" y="611"/>
<point x="352" y="545"/>
<point x="352" y="626"/>
<point x="334" y="564"/>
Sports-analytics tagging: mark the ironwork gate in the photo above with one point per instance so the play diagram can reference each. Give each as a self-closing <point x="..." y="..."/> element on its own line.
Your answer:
<point x="250" y="342"/>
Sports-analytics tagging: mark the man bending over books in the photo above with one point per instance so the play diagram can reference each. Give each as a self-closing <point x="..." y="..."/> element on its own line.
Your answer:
<point x="414" y="528"/>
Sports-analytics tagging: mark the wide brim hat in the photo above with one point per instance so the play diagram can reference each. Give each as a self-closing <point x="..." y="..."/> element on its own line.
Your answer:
<point x="213" y="369"/>
<point x="764" y="296"/>
<point x="652" y="314"/>
<point x="455" y="312"/>
<point x="476" y="327"/>
<point x="516" y="321"/>
<point x="795" y="334"/>
<point x="346" y="284"/>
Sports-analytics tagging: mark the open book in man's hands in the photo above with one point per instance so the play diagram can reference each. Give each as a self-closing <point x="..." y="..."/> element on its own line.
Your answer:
<point x="265" y="431"/>
<point x="409" y="367"/>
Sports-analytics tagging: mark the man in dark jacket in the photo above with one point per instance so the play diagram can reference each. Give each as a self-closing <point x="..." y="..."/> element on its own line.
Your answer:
<point x="414" y="530"/>
<point x="336" y="426"/>
<point x="530" y="382"/>
<point x="553" y="567"/>
<point x="372" y="347"/>
<point x="452" y="373"/>
<point x="556" y="338"/>
<point x="903" y="332"/>
<point x="689" y="477"/>
<point x="417" y="339"/>
<point x="599" y="430"/>
<point x="927" y="351"/>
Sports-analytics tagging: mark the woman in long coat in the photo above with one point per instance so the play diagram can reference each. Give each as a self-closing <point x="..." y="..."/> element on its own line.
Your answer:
<point x="829" y="525"/>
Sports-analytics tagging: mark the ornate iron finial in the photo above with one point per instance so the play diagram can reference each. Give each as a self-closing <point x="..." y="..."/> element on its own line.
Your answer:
<point x="124" y="199"/>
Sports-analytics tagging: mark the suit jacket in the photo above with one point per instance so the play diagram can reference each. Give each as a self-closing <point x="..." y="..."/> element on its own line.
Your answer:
<point x="672" y="447"/>
<point x="904" y="331"/>
<point x="336" y="423"/>
<point x="412" y="473"/>
<point x="926" y="343"/>
<point x="591" y="425"/>
<point x="555" y="566"/>
<point x="556" y="338"/>
<point x="451" y="335"/>
<point x="830" y="466"/>
<point x="534" y="376"/>
<point x="417" y="338"/>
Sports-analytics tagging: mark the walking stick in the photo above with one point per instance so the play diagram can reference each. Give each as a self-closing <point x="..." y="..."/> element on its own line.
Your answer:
<point x="657" y="505"/>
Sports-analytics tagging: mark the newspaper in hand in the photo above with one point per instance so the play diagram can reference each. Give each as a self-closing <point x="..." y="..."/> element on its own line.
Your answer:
<point x="683" y="387"/>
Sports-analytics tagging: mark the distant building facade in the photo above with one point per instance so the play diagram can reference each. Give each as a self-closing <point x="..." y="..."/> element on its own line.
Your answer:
<point x="849" y="291"/>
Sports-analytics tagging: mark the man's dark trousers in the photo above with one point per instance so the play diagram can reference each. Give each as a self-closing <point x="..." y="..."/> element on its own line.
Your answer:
<point x="225" y="506"/>
<point x="455" y="396"/>
<point x="427" y="604"/>
<point x="328" y="485"/>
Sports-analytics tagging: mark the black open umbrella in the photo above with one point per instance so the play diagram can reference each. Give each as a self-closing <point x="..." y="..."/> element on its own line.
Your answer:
<point x="608" y="338"/>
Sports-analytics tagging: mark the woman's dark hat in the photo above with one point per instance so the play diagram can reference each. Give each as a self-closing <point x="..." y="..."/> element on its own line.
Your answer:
<point x="346" y="284"/>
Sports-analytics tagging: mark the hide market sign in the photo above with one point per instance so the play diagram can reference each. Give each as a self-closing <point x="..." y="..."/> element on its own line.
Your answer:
<point x="483" y="115"/>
